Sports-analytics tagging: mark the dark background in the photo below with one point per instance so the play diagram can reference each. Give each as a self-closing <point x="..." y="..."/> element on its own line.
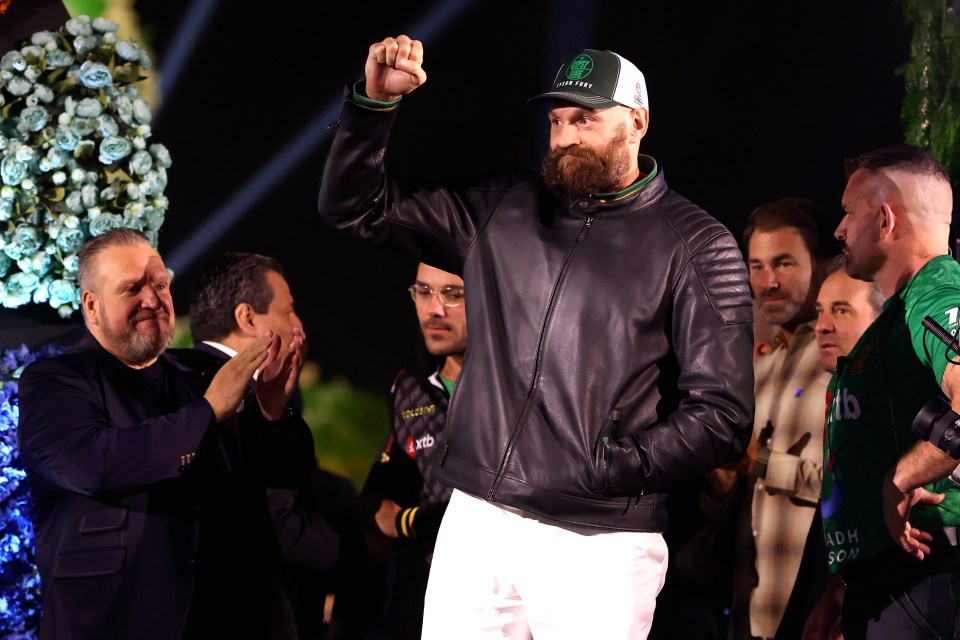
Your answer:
<point x="750" y="101"/>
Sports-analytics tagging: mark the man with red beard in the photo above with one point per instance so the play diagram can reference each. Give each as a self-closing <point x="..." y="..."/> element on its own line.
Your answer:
<point x="779" y="564"/>
<point x="610" y="349"/>
<point x="146" y="479"/>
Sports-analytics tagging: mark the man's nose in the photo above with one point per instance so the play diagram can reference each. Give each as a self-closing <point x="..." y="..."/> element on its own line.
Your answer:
<point x="298" y="327"/>
<point x="823" y="324"/>
<point x="567" y="136"/>
<point x="767" y="280"/>
<point x="149" y="298"/>
<point x="435" y="306"/>
<point x="841" y="231"/>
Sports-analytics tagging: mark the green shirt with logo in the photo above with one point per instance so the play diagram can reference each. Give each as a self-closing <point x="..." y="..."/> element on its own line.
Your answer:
<point x="872" y="400"/>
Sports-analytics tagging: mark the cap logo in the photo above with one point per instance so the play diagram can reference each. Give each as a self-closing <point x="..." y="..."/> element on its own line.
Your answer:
<point x="580" y="67"/>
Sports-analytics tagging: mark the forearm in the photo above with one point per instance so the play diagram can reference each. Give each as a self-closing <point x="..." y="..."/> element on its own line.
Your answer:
<point x="710" y="428"/>
<point x="284" y="449"/>
<point x="429" y="222"/>
<point x="86" y="454"/>
<point x="421" y="522"/>
<point x="305" y="538"/>
<point x="922" y="464"/>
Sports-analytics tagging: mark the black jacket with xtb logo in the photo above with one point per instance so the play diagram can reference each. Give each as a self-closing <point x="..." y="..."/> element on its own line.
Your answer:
<point x="404" y="470"/>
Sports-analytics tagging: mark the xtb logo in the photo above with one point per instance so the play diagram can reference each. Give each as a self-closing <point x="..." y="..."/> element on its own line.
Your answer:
<point x="845" y="406"/>
<point x="419" y="444"/>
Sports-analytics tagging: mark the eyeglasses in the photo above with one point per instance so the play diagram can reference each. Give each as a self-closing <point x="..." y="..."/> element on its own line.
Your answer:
<point x="450" y="296"/>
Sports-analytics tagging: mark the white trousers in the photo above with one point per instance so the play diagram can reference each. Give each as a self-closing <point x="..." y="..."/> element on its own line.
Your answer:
<point x="500" y="572"/>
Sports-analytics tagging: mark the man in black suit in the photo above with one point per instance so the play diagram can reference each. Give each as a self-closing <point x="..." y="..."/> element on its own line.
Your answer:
<point x="147" y="469"/>
<point x="238" y="297"/>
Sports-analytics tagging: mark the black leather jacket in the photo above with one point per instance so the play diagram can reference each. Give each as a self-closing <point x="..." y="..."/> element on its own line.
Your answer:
<point x="610" y="342"/>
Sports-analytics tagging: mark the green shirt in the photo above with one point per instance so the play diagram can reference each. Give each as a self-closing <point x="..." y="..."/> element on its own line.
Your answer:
<point x="894" y="369"/>
<point x="447" y="384"/>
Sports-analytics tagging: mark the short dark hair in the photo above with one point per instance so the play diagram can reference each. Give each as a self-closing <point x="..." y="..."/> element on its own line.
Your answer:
<point x="899" y="157"/>
<point x="229" y="280"/>
<point x="122" y="237"/>
<point x="801" y="214"/>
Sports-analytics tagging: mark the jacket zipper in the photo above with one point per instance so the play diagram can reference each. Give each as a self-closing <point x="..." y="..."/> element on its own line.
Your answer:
<point x="518" y="429"/>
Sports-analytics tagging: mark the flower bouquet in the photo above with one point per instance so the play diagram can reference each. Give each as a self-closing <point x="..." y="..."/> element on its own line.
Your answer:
<point x="74" y="157"/>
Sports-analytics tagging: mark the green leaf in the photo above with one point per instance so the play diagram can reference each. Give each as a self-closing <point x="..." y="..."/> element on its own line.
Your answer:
<point x="92" y="8"/>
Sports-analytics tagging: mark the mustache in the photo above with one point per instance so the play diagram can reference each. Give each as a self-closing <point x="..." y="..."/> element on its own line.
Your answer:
<point x="437" y="324"/>
<point x="579" y="153"/>
<point x="147" y="314"/>
<point x="773" y="296"/>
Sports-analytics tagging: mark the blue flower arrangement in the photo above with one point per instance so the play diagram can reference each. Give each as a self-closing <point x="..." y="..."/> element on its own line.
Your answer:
<point x="19" y="579"/>
<point x="74" y="157"/>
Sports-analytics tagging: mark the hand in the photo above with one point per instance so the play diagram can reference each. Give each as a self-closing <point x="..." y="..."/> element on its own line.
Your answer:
<point x="896" y="515"/>
<point x="394" y="68"/>
<point x="720" y="482"/>
<point x="386" y="518"/>
<point x="279" y="375"/>
<point x="228" y="387"/>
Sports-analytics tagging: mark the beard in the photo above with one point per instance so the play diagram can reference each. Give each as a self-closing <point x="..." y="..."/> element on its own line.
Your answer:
<point x="864" y="266"/>
<point x="452" y="345"/>
<point x="581" y="171"/>
<point x="141" y="347"/>
<point x="789" y="312"/>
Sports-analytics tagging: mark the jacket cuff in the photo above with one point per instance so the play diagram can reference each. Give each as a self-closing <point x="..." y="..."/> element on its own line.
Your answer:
<point x="783" y="470"/>
<point x="358" y="95"/>
<point x="404" y="522"/>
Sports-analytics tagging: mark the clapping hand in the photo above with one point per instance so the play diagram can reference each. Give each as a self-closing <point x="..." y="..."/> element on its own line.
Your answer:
<point x="228" y="387"/>
<point x="279" y="375"/>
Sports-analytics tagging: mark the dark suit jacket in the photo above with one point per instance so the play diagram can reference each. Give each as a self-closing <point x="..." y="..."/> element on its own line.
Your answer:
<point x="306" y="539"/>
<point x="144" y="507"/>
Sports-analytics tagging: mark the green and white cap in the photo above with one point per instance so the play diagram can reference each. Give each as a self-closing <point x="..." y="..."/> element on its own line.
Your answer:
<point x="598" y="79"/>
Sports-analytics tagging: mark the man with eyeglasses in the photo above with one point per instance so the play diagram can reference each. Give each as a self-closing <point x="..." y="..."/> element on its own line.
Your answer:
<point x="610" y="331"/>
<point x="411" y="500"/>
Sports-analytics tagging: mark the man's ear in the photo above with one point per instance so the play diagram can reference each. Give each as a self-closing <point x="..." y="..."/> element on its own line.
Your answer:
<point x="88" y="301"/>
<point x="641" y="120"/>
<point x="243" y="315"/>
<point x="887" y="221"/>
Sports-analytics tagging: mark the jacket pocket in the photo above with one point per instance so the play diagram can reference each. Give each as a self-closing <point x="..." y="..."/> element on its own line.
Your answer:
<point x="89" y="563"/>
<point x="103" y="520"/>
<point x="608" y="432"/>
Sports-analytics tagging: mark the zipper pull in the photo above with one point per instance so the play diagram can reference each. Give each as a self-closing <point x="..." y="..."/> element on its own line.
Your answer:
<point x="586" y="227"/>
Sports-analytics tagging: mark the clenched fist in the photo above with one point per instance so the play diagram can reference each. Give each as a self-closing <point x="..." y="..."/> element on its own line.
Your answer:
<point x="394" y="68"/>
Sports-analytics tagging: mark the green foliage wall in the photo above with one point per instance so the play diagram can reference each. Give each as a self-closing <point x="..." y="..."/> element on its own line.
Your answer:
<point x="931" y="106"/>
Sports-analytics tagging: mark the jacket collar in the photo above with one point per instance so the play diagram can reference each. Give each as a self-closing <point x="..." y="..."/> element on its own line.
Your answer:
<point x="626" y="202"/>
